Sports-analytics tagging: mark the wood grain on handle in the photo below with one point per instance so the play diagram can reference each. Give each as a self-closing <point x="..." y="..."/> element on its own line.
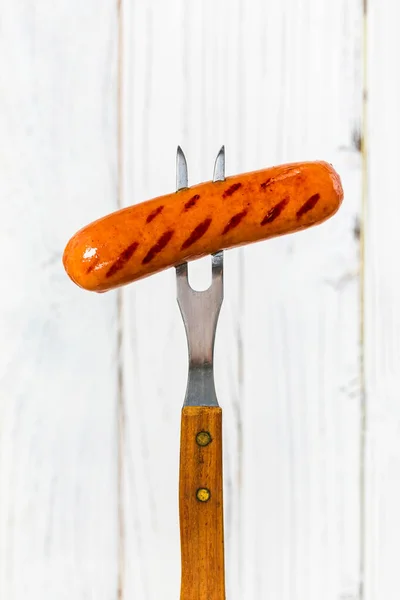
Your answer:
<point x="201" y="504"/>
<point x="146" y="238"/>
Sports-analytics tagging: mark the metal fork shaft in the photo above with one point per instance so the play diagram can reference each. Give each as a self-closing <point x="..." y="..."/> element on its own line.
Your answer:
<point x="200" y="311"/>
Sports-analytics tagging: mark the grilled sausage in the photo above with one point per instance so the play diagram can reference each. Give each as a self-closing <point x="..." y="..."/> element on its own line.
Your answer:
<point x="146" y="238"/>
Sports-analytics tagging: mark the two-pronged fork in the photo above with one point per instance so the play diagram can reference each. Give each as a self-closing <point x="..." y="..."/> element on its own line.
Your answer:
<point x="200" y="476"/>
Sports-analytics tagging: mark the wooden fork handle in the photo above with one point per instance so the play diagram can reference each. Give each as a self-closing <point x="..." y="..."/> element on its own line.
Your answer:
<point x="201" y="504"/>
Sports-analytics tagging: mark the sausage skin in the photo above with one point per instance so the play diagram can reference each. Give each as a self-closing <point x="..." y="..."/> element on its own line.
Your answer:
<point x="135" y="242"/>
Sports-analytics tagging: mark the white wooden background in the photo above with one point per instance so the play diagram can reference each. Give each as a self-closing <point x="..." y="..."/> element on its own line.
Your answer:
<point x="94" y="98"/>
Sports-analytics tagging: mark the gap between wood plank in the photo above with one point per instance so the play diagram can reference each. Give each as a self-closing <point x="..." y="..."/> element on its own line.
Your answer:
<point x="363" y="399"/>
<point x="121" y="417"/>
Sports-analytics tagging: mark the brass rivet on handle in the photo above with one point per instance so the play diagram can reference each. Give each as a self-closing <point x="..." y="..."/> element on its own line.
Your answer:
<point x="203" y="494"/>
<point x="203" y="438"/>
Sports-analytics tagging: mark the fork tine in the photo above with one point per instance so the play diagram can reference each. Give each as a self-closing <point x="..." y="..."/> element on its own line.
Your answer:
<point x="181" y="170"/>
<point x="219" y="166"/>
<point x="182" y="280"/>
<point x="218" y="257"/>
<point x="217" y="262"/>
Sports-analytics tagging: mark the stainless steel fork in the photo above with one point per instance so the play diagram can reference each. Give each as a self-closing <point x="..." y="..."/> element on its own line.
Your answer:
<point x="200" y="475"/>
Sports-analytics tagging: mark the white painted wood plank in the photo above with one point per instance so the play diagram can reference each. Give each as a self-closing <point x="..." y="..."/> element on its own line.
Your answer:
<point x="301" y="421"/>
<point x="382" y="307"/>
<point x="274" y="82"/>
<point x="58" y="388"/>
